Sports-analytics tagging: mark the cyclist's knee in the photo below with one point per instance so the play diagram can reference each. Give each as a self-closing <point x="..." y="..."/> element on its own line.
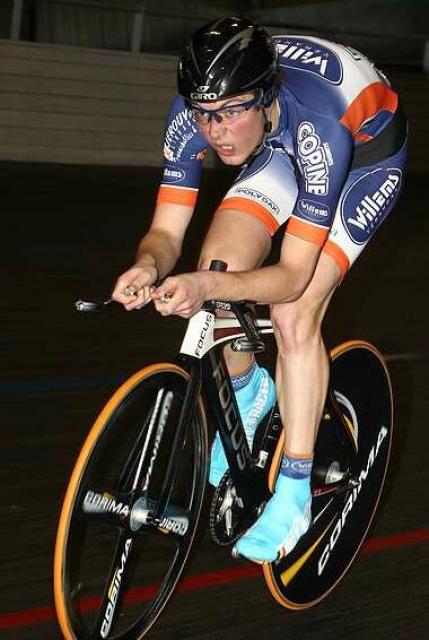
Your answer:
<point x="295" y="325"/>
<point x="236" y="238"/>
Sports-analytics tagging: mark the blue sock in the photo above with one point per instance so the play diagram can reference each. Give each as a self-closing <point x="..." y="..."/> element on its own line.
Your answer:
<point x="296" y="467"/>
<point x="242" y="379"/>
<point x="255" y="394"/>
<point x="287" y="515"/>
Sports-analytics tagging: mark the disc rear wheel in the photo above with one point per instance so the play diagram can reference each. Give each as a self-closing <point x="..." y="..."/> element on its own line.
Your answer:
<point x="351" y="458"/>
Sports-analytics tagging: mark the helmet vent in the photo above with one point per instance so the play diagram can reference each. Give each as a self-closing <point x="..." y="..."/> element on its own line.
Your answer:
<point x="244" y="36"/>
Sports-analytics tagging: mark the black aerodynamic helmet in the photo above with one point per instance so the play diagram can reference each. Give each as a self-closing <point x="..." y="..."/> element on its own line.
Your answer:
<point x="225" y="58"/>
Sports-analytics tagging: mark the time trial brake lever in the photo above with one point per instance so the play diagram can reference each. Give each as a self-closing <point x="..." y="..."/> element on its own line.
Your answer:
<point x="85" y="305"/>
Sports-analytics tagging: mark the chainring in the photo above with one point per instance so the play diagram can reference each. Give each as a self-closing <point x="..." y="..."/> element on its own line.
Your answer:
<point x="227" y="522"/>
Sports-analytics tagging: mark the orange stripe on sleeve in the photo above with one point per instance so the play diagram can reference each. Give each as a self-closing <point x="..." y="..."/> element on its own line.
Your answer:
<point x="338" y="256"/>
<point x="372" y="99"/>
<point x="177" y="195"/>
<point x="252" y="208"/>
<point x="307" y="231"/>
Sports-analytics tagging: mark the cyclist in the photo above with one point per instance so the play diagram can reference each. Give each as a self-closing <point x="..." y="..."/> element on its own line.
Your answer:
<point x="321" y="139"/>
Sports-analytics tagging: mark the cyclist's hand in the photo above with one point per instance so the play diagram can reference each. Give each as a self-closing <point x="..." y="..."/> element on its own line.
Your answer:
<point x="181" y="295"/>
<point x="133" y="288"/>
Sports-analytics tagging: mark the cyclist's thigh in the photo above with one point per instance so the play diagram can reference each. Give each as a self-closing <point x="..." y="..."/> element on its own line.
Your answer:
<point x="260" y="200"/>
<point x="368" y="196"/>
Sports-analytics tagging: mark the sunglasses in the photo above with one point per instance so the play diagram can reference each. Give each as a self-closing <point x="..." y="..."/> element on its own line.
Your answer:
<point x="227" y="114"/>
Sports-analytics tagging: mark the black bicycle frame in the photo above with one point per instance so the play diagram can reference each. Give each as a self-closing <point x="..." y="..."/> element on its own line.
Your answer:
<point x="220" y="397"/>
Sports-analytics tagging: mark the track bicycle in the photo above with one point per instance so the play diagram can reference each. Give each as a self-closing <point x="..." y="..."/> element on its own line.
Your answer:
<point x="135" y="496"/>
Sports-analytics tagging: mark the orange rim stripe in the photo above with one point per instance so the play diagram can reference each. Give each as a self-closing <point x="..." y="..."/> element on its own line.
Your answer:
<point x="76" y="475"/>
<point x="372" y="99"/>
<point x="267" y="567"/>
<point x="307" y="231"/>
<point x="277" y="458"/>
<point x="290" y="573"/>
<point x="351" y="344"/>
<point x="252" y="208"/>
<point x="178" y="195"/>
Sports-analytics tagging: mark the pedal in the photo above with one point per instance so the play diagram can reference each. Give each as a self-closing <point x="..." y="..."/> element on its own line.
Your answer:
<point x="334" y="473"/>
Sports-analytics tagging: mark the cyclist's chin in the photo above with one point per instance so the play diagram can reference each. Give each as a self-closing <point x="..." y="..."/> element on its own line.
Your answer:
<point x="235" y="160"/>
<point x="232" y="159"/>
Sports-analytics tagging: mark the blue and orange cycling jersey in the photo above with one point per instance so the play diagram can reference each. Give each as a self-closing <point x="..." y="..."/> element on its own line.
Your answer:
<point x="333" y="101"/>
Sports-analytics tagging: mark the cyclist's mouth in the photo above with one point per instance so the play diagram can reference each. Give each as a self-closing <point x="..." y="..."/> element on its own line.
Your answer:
<point x="226" y="150"/>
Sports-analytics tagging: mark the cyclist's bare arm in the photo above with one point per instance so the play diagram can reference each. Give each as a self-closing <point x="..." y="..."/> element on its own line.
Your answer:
<point x="157" y="255"/>
<point x="282" y="282"/>
<point x="285" y="281"/>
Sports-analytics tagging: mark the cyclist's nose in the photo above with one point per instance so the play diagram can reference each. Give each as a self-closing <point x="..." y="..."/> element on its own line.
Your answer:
<point x="216" y="129"/>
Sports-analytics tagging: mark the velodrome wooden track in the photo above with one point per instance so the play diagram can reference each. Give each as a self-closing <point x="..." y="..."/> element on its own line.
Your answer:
<point x="67" y="233"/>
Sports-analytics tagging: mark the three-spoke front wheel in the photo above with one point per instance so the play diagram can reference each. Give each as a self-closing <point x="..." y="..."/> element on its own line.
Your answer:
<point x="124" y="533"/>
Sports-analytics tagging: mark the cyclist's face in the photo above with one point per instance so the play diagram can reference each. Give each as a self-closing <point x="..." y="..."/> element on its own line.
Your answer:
<point x="234" y="130"/>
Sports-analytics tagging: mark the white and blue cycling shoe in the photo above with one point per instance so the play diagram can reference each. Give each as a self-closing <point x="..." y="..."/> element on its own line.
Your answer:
<point x="283" y="522"/>
<point x="254" y="400"/>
